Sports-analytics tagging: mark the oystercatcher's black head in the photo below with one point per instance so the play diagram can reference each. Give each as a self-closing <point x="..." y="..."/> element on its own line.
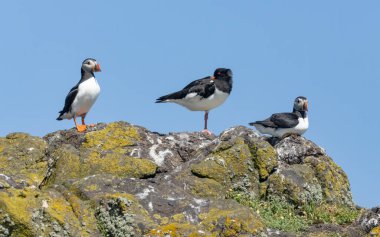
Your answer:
<point x="222" y="72"/>
<point x="90" y="65"/>
<point x="300" y="104"/>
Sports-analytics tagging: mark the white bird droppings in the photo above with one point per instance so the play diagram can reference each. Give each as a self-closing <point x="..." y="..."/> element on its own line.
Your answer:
<point x="160" y="156"/>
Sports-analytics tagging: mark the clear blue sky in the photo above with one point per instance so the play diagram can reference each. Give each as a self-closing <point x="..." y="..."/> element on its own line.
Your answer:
<point x="328" y="51"/>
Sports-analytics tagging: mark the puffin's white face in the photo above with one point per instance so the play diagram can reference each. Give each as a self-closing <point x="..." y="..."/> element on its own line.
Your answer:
<point x="90" y="65"/>
<point x="300" y="104"/>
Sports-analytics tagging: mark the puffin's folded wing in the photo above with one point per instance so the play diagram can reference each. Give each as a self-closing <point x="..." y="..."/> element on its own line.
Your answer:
<point x="70" y="99"/>
<point x="266" y="123"/>
<point x="284" y="120"/>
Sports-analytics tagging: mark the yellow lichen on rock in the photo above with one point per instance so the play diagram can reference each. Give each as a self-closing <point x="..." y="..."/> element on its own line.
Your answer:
<point x="22" y="158"/>
<point x="265" y="159"/>
<point x="73" y="166"/>
<point x="19" y="205"/>
<point x="68" y="163"/>
<point x="205" y="187"/>
<point x="209" y="168"/>
<point x="118" y="165"/>
<point x="375" y="232"/>
<point x="236" y="157"/>
<point x="29" y="208"/>
<point x="236" y="222"/>
<point x="171" y="230"/>
<point x="334" y="182"/>
<point x="115" y="136"/>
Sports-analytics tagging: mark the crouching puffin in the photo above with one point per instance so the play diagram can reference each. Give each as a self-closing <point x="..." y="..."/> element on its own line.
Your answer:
<point x="203" y="94"/>
<point x="282" y="124"/>
<point x="82" y="96"/>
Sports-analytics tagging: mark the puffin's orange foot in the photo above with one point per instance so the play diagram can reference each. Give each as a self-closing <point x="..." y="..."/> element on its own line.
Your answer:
<point x="207" y="132"/>
<point x="81" y="128"/>
<point x="92" y="125"/>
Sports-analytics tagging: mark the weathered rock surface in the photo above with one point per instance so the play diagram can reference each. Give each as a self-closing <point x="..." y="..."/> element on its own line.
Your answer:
<point x="123" y="180"/>
<point x="370" y="221"/>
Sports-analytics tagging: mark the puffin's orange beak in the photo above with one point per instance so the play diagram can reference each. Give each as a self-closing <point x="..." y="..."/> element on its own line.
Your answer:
<point x="305" y="106"/>
<point x="97" y="68"/>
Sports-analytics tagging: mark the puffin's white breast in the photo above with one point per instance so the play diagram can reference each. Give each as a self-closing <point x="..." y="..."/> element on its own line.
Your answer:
<point x="302" y="126"/>
<point x="88" y="92"/>
<point x="195" y="102"/>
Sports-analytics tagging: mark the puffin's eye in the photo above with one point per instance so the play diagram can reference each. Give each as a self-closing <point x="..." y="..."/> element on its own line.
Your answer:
<point x="88" y="62"/>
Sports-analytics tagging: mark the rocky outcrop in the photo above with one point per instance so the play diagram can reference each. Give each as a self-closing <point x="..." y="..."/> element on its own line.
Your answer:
<point x="370" y="221"/>
<point x="123" y="180"/>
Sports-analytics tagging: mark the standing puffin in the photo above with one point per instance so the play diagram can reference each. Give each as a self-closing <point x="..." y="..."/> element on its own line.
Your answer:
<point x="82" y="96"/>
<point x="203" y="94"/>
<point x="281" y="124"/>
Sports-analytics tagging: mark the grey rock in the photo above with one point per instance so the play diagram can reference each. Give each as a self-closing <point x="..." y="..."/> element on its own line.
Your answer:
<point x="293" y="149"/>
<point x="370" y="219"/>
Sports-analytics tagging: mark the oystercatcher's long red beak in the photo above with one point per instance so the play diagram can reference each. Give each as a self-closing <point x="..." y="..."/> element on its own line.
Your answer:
<point x="97" y="68"/>
<point x="305" y="106"/>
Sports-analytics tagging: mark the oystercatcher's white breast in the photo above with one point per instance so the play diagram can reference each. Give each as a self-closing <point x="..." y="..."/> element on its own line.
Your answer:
<point x="195" y="102"/>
